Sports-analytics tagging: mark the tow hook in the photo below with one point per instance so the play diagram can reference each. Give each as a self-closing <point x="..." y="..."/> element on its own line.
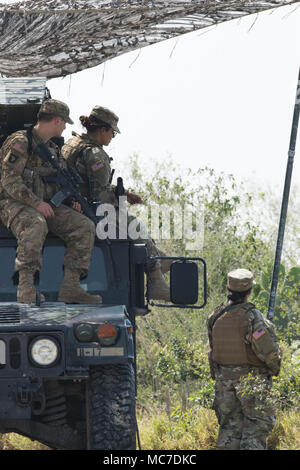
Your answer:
<point x="23" y="395"/>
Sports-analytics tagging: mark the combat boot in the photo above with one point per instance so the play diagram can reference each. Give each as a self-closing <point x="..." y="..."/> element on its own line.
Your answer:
<point x="26" y="293"/>
<point x="158" y="287"/>
<point x="71" y="292"/>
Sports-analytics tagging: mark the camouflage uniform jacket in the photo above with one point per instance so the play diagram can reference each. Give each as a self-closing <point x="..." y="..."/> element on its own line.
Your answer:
<point x="22" y="170"/>
<point x="261" y="338"/>
<point x="94" y="166"/>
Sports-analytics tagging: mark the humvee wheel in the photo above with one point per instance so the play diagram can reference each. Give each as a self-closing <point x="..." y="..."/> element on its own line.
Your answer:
<point x="111" y="421"/>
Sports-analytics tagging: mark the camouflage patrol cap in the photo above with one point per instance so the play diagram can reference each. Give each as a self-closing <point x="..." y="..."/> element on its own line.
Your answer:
<point x="56" y="108"/>
<point x="107" y="116"/>
<point x="240" y="280"/>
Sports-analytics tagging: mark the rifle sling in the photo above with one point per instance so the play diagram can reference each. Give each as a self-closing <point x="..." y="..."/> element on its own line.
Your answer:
<point x="29" y="137"/>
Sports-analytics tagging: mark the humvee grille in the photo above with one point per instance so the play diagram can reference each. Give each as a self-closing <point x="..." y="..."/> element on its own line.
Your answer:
<point x="9" y="314"/>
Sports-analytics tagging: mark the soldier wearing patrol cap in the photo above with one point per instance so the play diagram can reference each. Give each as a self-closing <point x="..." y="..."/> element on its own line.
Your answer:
<point x="85" y="152"/>
<point x="25" y="208"/>
<point x="54" y="108"/>
<point x="244" y="350"/>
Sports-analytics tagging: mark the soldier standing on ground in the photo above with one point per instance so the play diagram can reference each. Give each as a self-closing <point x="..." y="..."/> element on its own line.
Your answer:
<point x="85" y="152"/>
<point x="25" y="208"/>
<point x="243" y="350"/>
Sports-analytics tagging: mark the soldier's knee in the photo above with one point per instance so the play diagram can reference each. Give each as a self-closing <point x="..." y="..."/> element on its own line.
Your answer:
<point x="40" y="224"/>
<point x="30" y="224"/>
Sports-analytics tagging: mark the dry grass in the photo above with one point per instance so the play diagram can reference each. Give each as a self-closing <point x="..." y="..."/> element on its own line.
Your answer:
<point x="286" y="432"/>
<point x="14" y="441"/>
<point x="159" y="431"/>
<point x="189" y="431"/>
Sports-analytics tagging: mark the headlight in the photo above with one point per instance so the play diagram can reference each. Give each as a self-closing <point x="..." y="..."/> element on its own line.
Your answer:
<point x="44" y="351"/>
<point x="84" y="332"/>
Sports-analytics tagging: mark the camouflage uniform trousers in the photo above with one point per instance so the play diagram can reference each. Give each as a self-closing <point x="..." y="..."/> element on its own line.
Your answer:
<point x="245" y="417"/>
<point x="30" y="229"/>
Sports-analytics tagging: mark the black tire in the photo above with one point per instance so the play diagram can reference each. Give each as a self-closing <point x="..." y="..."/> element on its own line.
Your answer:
<point x="111" y="420"/>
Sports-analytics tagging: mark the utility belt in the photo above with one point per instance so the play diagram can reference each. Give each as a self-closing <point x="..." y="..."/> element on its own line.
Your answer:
<point x="236" y="372"/>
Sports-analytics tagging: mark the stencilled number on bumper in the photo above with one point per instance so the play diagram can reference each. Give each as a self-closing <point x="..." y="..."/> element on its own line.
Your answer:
<point x="88" y="352"/>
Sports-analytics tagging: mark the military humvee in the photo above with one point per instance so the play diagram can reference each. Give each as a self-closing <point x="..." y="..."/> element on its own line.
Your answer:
<point x="68" y="372"/>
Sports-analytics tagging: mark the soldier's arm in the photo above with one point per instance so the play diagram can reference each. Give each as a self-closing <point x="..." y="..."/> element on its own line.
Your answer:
<point x="98" y="174"/>
<point x="212" y="364"/>
<point x="14" y="162"/>
<point x="264" y="341"/>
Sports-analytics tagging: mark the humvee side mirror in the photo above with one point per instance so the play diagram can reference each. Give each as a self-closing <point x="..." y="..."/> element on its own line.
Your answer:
<point x="185" y="288"/>
<point x="184" y="283"/>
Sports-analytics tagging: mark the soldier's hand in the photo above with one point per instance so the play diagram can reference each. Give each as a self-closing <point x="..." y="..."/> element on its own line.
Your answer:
<point x="77" y="207"/>
<point x="134" y="198"/>
<point x="45" y="209"/>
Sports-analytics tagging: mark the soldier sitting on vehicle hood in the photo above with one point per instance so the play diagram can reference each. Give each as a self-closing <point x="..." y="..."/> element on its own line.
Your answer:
<point x="85" y="152"/>
<point x="25" y="208"/>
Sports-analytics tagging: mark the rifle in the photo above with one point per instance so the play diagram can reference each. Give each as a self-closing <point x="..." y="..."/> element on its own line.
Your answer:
<point x="67" y="179"/>
<point x="119" y="189"/>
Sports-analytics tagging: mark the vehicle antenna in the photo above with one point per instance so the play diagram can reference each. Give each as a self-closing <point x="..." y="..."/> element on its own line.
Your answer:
<point x="284" y="204"/>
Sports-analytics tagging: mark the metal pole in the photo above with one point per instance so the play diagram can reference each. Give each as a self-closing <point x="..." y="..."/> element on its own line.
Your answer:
<point x="284" y="205"/>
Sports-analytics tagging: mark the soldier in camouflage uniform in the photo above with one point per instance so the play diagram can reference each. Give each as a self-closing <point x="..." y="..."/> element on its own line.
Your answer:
<point x="244" y="355"/>
<point x="85" y="152"/>
<point x="25" y="208"/>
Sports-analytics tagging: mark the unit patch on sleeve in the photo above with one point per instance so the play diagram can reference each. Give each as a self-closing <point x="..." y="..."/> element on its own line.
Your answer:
<point x="97" y="166"/>
<point x="258" y="333"/>
<point x="13" y="158"/>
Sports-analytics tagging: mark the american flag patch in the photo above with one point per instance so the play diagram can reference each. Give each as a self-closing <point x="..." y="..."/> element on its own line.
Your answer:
<point x="258" y="333"/>
<point x="97" y="165"/>
<point x="19" y="148"/>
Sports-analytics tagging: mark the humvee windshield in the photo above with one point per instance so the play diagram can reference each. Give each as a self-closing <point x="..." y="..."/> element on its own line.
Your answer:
<point x="108" y="274"/>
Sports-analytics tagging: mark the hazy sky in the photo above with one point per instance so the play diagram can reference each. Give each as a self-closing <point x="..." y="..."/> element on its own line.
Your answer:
<point x="221" y="97"/>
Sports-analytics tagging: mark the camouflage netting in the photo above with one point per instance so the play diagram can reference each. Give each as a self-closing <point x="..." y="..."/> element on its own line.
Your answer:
<point x="54" y="38"/>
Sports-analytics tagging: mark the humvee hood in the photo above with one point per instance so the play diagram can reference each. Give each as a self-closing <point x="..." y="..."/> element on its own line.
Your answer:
<point x="51" y="313"/>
